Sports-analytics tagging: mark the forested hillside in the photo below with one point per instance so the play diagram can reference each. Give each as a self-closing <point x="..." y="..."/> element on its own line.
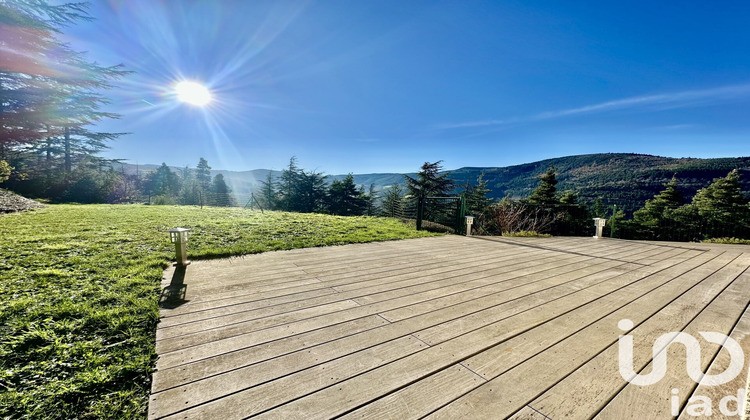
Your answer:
<point x="624" y="179"/>
<point x="627" y="180"/>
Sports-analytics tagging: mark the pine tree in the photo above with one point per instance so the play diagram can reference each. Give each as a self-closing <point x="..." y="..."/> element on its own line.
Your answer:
<point x="309" y="192"/>
<point x="203" y="174"/>
<point x="345" y="199"/>
<point x="4" y="171"/>
<point x="572" y="217"/>
<point x="723" y="199"/>
<point x="371" y="199"/>
<point x="476" y="197"/>
<point x="268" y="194"/>
<point x="220" y="192"/>
<point x="288" y="186"/>
<point x="569" y="198"/>
<point x="391" y="206"/>
<point x="598" y="209"/>
<point x="51" y="94"/>
<point x="545" y="194"/>
<point x="654" y="212"/>
<point x="163" y="182"/>
<point x="190" y="189"/>
<point x="429" y="182"/>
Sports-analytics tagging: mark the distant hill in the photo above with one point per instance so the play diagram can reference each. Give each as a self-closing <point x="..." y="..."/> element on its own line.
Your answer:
<point x="242" y="183"/>
<point x="625" y="179"/>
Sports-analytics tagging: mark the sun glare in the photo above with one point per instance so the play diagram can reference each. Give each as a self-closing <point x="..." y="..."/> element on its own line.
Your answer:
<point x="193" y="93"/>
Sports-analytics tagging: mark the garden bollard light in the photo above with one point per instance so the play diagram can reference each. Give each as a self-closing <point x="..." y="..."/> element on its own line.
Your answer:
<point x="469" y="222"/>
<point x="599" y="223"/>
<point x="179" y="239"/>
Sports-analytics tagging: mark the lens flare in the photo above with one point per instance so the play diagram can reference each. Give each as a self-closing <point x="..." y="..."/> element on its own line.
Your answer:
<point x="193" y="93"/>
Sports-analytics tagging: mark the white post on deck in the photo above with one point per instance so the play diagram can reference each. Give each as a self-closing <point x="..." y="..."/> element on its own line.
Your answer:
<point x="599" y="223"/>
<point x="469" y="222"/>
<point x="179" y="237"/>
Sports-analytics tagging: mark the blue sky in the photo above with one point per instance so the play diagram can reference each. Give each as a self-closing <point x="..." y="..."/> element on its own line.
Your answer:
<point x="383" y="86"/>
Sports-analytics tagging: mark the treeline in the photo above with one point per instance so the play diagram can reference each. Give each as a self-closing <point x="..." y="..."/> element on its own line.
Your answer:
<point x="302" y="191"/>
<point x="50" y="99"/>
<point x="720" y="210"/>
<point x="627" y="180"/>
<point x="94" y="181"/>
<point x="185" y="187"/>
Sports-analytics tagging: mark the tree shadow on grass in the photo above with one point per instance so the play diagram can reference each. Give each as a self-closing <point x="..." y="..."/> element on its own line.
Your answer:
<point x="173" y="295"/>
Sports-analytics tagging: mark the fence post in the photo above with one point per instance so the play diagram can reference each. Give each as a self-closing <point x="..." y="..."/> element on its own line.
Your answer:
<point x="461" y="216"/>
<point x="420" y="209"/>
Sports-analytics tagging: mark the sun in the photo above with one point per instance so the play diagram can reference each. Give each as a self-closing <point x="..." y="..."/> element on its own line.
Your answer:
<point x="193" y="93"/>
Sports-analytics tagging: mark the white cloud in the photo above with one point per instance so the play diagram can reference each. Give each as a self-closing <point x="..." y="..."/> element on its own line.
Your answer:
<point x="684" y="99"/>
<point x="677" y="127"/>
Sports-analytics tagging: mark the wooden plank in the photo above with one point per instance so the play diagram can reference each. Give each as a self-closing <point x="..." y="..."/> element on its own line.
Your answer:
<point x="527" y="284"/>
<point x="528" y="413"/>
<point x="301" y="342"/>
<point x="374" y="296"/>
<point x="208" y="343"/>
<point x="239" y="304"/>
<point x="585" y="246"/>
<point x="206" y="272"/>
<point x="555" y="363"/>
<point x="257" y="309"/>
<point x="211" y="349"/>
<point x="220" y="364"/>
<point x="563" y="272"/>
<point x="361" y="389"/>
<point x="590" y="387"/>
<point x="165" y="378"/>
<point x="524" y="346"/>
<point x="232" y="294"/>
<point x="329" y="299"/>
<point x="640" y="298"/>
<point x="604" y="285"/>
<point x="232" y="325"/>
<point x="454" y="269"/>
<point x="448" y="383"/>
<point x="228" y="332"/>
<point x="355" y="343"/>
<point x="228" y="305"/>
<point x="445" y="250"/>
<point x="219" y="299"/>
<point x="720" y="316"/>
<point x="262" y="398"/>
<point x="741" y="334"/>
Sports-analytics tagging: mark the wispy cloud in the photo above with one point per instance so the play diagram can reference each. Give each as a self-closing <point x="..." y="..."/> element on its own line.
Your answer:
<point x="684" y="99"/>
<point x="674" y="127"/>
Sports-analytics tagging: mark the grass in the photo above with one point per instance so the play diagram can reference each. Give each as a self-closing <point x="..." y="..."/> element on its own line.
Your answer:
<point x="734" y="241"/>
<point x="79" y="290"/>
<point x="527" y="234"/>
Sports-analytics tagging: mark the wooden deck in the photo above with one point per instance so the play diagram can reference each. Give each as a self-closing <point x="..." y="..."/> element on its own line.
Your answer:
<point x="446" y="327"/>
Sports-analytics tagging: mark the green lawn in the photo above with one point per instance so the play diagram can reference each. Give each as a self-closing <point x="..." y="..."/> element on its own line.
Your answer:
<point x="79" y="288"/>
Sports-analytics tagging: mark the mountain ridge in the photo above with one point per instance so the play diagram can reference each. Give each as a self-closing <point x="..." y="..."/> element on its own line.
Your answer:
<point x="624" y="179"/>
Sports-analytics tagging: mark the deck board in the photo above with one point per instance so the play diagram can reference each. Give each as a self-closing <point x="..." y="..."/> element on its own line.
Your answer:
<point x="443" y="327"/>
<point x="600" y="378"/>
<point x="718" y="314"/>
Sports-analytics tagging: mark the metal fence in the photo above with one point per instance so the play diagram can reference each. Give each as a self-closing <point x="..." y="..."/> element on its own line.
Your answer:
<point x="688" y="230"/>
<point x="405" y="209"/>
<point x="441" y="214"/>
